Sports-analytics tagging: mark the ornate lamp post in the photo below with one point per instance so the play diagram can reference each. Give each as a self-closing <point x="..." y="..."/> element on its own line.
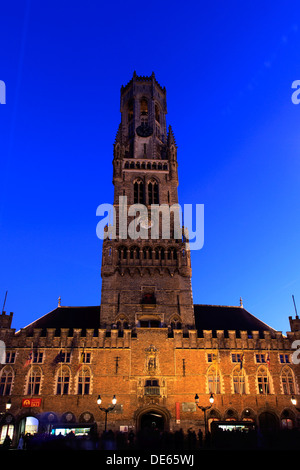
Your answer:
<point x="205" y="408"/>
<point x="108" y="409"/>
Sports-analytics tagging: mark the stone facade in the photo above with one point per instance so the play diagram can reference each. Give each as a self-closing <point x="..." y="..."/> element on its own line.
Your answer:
<point x="147" y="343"/>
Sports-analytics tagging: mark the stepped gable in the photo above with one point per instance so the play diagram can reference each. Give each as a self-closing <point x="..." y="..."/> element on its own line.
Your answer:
<point x="218" y="317"/>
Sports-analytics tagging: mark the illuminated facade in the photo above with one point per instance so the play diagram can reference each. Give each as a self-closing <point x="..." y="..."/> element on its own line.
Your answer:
<point x="147" y="343"/>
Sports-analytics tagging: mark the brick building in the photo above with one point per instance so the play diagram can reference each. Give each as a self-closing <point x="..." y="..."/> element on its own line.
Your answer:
<point x="147" y="343"/>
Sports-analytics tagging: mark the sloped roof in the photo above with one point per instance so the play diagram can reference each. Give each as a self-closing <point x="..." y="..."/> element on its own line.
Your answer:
<point x="207" y="317"/>
<point x="219" y="317"/>
<point x="68" y="317"/>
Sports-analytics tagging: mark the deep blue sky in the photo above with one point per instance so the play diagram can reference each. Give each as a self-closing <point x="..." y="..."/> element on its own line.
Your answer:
<point x="228" y="69"/>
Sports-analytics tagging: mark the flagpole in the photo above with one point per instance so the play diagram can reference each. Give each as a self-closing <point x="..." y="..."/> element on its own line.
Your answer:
<point x="31" y="377"/>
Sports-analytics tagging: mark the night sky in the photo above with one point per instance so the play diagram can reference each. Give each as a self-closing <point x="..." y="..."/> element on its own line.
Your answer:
<point x="228" y="68"/>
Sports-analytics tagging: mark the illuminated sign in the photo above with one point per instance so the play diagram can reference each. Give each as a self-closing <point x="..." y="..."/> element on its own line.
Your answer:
<point x="31" y="402"/>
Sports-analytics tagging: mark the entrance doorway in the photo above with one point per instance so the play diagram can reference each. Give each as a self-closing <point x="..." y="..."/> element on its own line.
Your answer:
<point x="29" y="425"/>
<point x="152" y="421"/>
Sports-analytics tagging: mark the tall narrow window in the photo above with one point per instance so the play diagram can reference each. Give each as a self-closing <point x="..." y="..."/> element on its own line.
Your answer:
<point x="84" y="381"/>
<point x="153" y="193"/>
<point x="6" y="381"/>
<point x="34" y="381"/>
<point x="138" y="192"/>
<point x="144" y="112"/>
<point x="63" y="381"/>
<point x="130" y="110"/>
<point x="263" y="381"/>
<point x="213" y="380"/>
<point x="157" y="117"/>
<point x="287" y="381"/>
<point x="238" y="378"/>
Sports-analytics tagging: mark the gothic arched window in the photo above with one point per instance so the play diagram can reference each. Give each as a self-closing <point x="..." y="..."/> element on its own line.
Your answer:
<point x="238" y="380"/>
<point x="213" y="378"/>
<point x="157" y="113"/>
<point x="263" y="382"/>
<point x="153" y="192"/>
<point x="287" y="381"/>
<point x="34" y="380"/>
<point x="138" y="192"/>
<point x="130" y="110"/>
<point x="84" y="381"/>
<point x="63" y="381"/>
<point x="6" y="381"/>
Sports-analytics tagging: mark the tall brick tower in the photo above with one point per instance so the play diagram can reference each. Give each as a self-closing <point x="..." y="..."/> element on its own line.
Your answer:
<point x="146" y="282"/>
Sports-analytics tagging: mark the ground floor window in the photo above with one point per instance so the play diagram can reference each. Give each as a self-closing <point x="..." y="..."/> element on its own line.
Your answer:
<point x="6" y="430"/>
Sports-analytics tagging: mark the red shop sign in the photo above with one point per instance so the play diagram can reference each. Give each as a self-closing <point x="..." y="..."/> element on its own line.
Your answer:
<point x="31" y="402"/>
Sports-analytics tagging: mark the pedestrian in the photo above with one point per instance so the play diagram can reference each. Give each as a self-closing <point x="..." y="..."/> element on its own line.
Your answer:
<point x="21" y="442"/>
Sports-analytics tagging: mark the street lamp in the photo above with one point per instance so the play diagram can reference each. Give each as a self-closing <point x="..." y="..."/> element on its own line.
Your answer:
<point x="108" y="409"/>
<point x="205" y="408"/>
<point x="294" y="401"/>
<point x="8" y="405"/>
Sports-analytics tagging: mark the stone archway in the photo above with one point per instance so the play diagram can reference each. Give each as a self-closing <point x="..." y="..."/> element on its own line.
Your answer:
<point x="152" y="417"/>
<point x="268" y="422"/>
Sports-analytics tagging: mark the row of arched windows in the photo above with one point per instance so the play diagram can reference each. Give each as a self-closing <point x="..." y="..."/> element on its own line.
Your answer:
<point x="62" y="383"/>
<point x="137" y="165"/>
<point x="83" y="380"/>
<point x="158" y="253"/>
<point x="264" y="382"/>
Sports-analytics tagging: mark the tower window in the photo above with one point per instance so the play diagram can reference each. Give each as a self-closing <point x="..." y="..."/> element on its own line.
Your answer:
<point x="157" y="116"/>
<point x="130" y="110"/>
<point x="138" y="192"/>
<point x="153" y="193"/>
<point x="144" y="107"/>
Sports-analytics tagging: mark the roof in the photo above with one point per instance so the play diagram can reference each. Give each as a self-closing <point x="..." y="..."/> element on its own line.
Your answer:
<point x="219" y="317"/>
<point x="68" y="317"/>
<point x="207" y="317"/>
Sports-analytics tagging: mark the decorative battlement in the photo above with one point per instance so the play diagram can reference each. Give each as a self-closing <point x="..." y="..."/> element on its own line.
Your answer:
<point x="142" y="78"/>
<point x="5" y="320"/>
<point x="295" y="323"/>
<point x="183" y="338"/>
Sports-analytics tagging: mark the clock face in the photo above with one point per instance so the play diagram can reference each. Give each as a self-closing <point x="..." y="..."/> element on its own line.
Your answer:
<point x="144" y="131"/>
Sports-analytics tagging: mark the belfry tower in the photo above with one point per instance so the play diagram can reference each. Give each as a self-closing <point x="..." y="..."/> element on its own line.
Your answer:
<point x="146" y="282"/>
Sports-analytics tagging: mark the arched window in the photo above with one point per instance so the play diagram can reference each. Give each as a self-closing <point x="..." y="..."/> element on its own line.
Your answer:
<point x="263" y="382"/>
<point x="157" y="113"/>
<point x="63" y="381"/>
<point x="138" y="192"/>
<point x="34" y="380"/>
<point x="84" y="381"/>
<point x="6" y="381"/>
<point x="213" y="378"/>
<point x="238" y="380"/>
<point x="287" y="381"/>
<point x="122" y="253"/>
<point x="153" y="192"/>
<point x="130" y="110"/>
<point x="144" y="107"/>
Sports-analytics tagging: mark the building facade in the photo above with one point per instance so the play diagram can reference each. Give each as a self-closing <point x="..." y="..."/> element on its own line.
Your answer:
<point x="147" y="343"/>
